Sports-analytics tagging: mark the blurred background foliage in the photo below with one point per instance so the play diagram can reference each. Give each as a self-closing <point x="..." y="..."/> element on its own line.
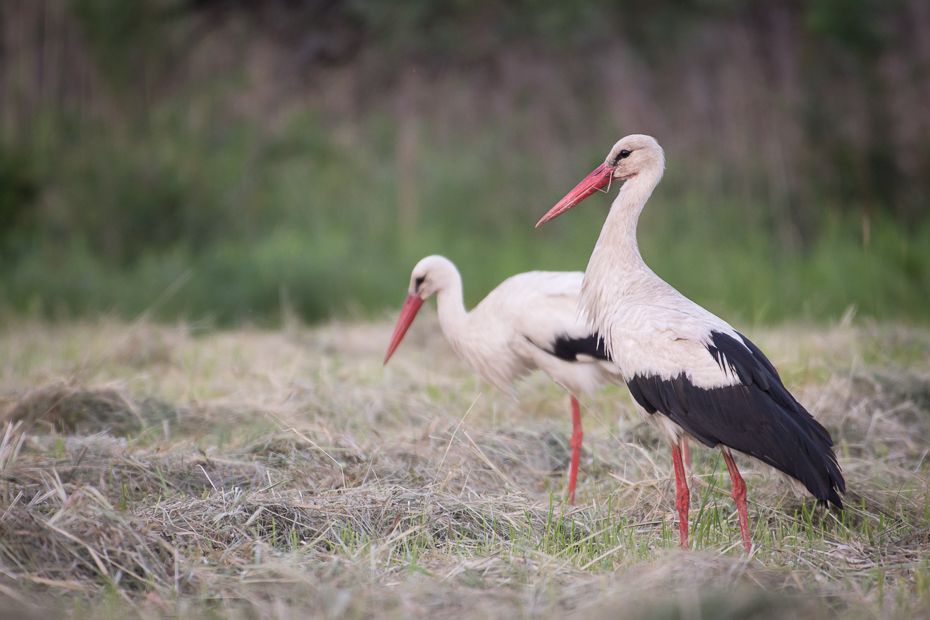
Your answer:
<point x="223" y="161"/>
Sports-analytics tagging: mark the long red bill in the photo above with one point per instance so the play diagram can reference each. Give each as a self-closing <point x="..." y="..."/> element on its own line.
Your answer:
<point x="407" y="314"/>
<point x="593" y="182"/>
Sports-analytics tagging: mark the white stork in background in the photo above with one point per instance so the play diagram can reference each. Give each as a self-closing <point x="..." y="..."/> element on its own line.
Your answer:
<point x="529" y="321"/>
<point x="679" y="360"/>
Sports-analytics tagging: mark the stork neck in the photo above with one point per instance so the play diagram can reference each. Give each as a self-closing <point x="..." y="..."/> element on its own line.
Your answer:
<point x="616" y="268"/>
<point x="451" y="308"/>
<point x="617" y="250"/>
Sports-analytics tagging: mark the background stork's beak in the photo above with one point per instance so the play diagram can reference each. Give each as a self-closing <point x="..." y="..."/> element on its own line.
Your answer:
<point x="407" y="314"/>
<point x="593" y="182"/>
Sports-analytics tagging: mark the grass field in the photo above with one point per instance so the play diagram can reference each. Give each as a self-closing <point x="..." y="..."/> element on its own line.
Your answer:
<point x="151" y="471"/>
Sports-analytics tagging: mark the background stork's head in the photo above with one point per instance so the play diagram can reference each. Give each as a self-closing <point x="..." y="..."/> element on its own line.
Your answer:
<point x="633" y="155"/>
<point x="431" y="275"/>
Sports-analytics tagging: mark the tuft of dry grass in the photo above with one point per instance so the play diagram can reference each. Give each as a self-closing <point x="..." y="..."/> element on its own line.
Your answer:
<point x="273" y="474"/>
<point x="72" y="409"/>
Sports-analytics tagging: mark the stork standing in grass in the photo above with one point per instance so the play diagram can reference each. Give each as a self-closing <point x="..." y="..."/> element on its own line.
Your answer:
<point x="529" y="322"/>
<point x="701" y="377"/>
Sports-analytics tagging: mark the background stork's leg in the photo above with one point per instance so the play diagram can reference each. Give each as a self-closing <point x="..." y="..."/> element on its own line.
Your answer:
<point x="682" y="496"/>
<point x="739" y="495"/>
<point x="575" y="443"/>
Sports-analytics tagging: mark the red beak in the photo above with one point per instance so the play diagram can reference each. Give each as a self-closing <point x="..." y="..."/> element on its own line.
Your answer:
<point x="407" y="314"/>
<point x="593" y="182"/>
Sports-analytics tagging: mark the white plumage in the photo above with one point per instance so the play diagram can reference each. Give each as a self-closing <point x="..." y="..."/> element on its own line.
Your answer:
<point x="528" y="322"/>
<point x="679" y="360"/>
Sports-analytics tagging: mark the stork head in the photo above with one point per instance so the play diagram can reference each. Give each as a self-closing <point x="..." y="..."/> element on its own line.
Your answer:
<point x="633" y="155"/>
<point x="430" y="276"/>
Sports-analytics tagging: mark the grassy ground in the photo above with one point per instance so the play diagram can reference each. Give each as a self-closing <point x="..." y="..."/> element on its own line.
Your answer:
<point x="153" y="471"/>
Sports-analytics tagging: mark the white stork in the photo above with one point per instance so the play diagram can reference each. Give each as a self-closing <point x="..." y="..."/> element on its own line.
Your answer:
<point x="706" y="379"/>
<point x="529" y="321"/>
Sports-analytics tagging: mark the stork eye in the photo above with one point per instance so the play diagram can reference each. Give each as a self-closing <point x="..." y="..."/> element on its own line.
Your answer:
<point x="624" y="154"/>
<point x="419" y="282"/>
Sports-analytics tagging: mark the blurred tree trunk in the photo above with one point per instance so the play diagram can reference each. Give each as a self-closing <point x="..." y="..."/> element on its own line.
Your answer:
<point x="406" y="154"/>
<point x="43" y="67"/>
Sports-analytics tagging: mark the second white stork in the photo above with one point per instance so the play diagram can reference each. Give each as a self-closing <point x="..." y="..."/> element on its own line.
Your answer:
<point x="528" y="322"/>
<point x="703" y="377"/>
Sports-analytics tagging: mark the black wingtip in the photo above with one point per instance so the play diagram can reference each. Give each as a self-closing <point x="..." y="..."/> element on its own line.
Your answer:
<point x="833" y="501"/>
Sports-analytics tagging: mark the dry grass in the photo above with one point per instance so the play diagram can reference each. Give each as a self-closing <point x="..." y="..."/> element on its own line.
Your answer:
<point x="153" y="472"/>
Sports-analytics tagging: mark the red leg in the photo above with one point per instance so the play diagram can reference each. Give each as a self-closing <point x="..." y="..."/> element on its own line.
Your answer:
<point x="686" y="457"/>
<point x="575" y="443"/>
<point x="682" y="496"/>
<point x="739" y="495"/>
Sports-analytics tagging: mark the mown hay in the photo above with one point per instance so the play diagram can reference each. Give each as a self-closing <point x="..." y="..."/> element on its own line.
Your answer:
<point x="278" y="476"/>
<point x="70" y="409"/>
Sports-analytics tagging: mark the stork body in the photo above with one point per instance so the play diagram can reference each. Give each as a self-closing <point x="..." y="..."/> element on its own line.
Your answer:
<point x="690" y="370"/>
<point x="528" y="322"/>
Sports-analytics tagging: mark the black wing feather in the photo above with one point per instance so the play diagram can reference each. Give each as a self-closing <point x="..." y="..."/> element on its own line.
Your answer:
<point x="567" y="348"/>
<point x="758" y="416"/>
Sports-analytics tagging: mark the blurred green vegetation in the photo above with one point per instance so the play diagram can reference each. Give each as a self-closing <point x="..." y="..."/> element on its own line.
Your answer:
<point x="169" y="205"/>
